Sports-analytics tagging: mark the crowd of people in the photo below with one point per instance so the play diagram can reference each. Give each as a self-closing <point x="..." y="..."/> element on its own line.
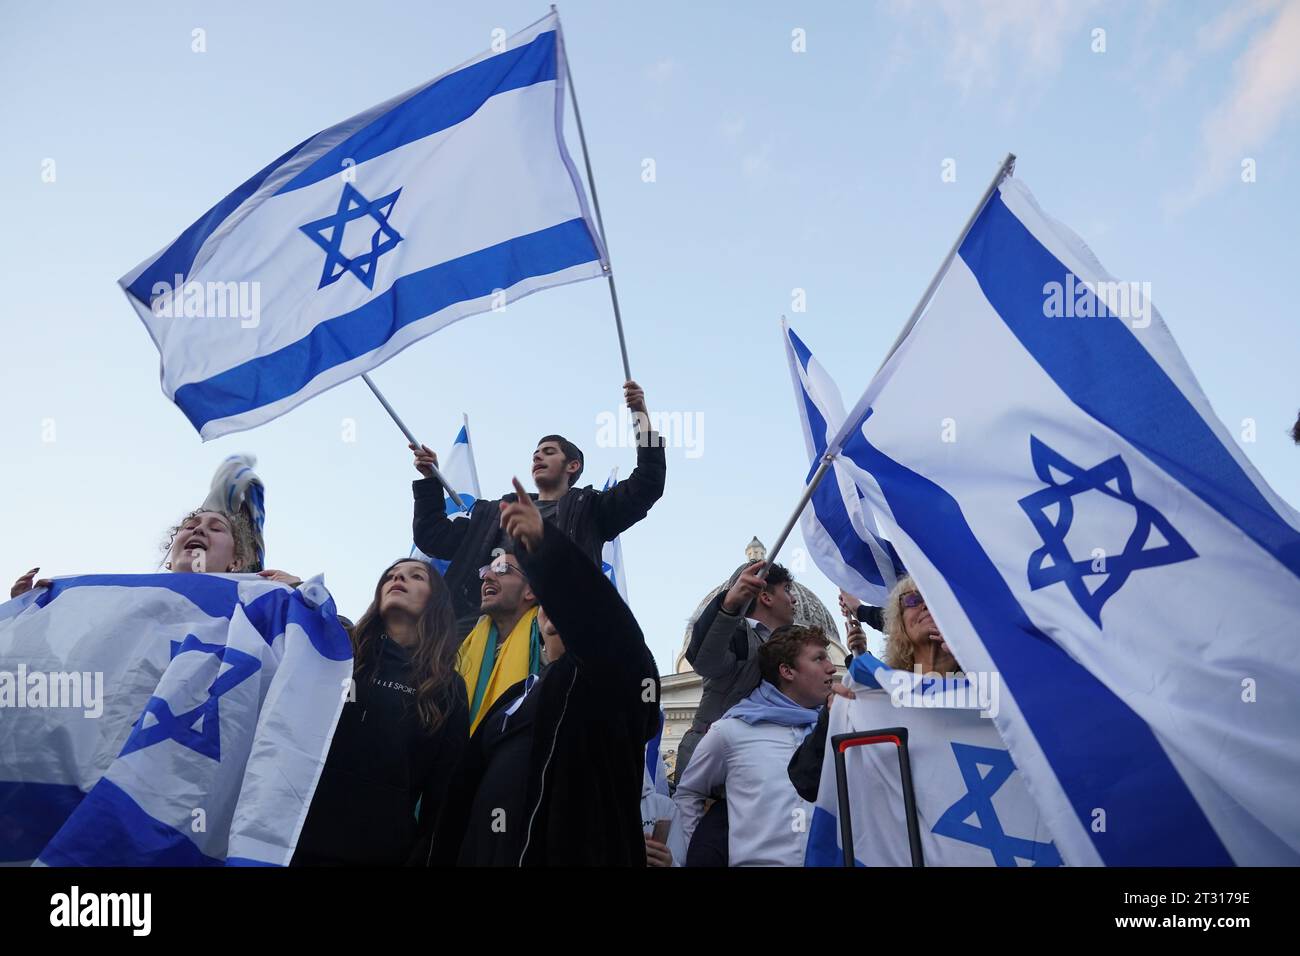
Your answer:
<point x="501" y="709"/>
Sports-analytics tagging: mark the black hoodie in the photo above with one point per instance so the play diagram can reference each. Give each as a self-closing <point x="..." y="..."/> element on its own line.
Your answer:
<point x="589" y="716"/>
<point x="589" y="518"/>
<point x="381" y="764"/>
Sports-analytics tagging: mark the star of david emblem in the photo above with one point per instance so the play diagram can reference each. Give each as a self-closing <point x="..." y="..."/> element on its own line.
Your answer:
<point x="328" y="234"/>
<point x="199" y="728"/>
<point x="978" y="803"/>
<point x="1151" y="543"/>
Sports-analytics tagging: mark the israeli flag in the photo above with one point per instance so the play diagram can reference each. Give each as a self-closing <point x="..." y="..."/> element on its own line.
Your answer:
<point x="655" y="768"/>
<point x="972" y="805"/>
<point x="446" y="201"/>
<point x="838" y="531"/>
<point x="462" y="474"/>
<point x="611" y="553"/>
<point x="1093" y="535"/>
<point x="165" y="719"/>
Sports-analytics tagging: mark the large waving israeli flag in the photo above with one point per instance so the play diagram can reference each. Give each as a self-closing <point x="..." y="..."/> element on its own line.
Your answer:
<point x="1094" y="535"/>
<point x="836" y="527"/>
<point x="165" y="719"/>
<point x="972" y="805"/>
<point x="448" y="200"/>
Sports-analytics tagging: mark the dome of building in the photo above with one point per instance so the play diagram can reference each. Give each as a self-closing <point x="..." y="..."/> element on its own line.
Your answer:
<point x="808" y="611"/>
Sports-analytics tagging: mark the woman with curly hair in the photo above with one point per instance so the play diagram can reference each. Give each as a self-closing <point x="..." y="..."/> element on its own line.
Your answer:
<point x="912" y="638"/>
<point x="221" y="536"/>
<point x="402" y="730"/>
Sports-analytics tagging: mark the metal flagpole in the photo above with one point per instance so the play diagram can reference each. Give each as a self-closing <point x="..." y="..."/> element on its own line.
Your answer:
<point x="410" y="437"/>
<point x="860" y="409"/>
<point x="600" y="223"/>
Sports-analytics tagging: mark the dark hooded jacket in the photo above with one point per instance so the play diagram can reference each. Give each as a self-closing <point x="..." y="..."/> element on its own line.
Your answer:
<point x="587" y="516"/>
<point x="592" y="712"/>
<point x="381" y="764"/>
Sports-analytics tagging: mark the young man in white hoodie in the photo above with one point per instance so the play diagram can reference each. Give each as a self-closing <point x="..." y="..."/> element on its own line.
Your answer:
<point x="750" y="747"/>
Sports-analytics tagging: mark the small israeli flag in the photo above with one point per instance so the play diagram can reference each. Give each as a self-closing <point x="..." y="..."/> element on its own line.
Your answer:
<point x="611" y="554"/>
<point x="446" y="201"/>
<point x="462" y="474"/>
<point x="837" y="527"/>
<point x="165" y="719"/>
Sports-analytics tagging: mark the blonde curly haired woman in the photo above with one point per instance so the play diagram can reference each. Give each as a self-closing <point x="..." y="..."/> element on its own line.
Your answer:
<point x="912" y="638"/>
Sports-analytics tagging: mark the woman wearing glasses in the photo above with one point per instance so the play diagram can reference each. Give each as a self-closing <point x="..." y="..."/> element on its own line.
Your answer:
<point x="912" y="639"/>
<point x="402" y="730"/>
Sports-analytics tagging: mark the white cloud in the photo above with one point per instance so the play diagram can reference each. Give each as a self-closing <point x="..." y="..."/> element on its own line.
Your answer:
<point x="663" y="71"/>
<point x="755" y="165"/>
<point x="1266" y="89"/>
<point x="983" y="36"/>
<point x="1221" y="31"/>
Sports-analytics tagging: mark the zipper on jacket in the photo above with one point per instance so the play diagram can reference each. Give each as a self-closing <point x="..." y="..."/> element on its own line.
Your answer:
<point x="541" y="793"/>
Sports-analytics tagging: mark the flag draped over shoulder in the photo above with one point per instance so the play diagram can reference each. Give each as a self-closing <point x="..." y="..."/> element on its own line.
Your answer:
<point x="837" y="529"/>
<point x="972" y="804"/>
<point x="1094" y="535"/>
<point x="165" y="719"/>
<point x="446" y="201"/>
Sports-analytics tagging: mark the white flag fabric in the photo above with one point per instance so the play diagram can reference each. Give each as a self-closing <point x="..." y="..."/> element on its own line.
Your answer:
<point x="837" y="529"/>
<point x="165" y="719"/>
<point x="446" y="201"/>
<point x="611" y="553"/>
<point x="972" y="805"/>
<point x="1094" y="535"/>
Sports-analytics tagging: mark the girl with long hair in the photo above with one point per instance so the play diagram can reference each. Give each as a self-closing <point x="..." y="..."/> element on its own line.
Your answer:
<point x="402" y="730"/>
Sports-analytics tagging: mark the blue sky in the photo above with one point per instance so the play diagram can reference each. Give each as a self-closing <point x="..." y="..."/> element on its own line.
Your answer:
<point x="775" y="170"/>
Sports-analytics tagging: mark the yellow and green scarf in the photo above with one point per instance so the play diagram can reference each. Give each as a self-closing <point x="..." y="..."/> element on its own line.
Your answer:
<point x="490" y="670"/>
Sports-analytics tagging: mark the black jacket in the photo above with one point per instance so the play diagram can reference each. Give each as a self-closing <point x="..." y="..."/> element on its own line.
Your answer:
<point x="598" y="705"/>
<point x="589" y="517"/>
<point x="381" y="763"/>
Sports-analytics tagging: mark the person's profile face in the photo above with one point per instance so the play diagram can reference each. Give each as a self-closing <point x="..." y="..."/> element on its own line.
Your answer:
<point x="811" y="677"/>
<point x="917" y="622"/>
<point x="549" y="467"/>
<point x="782" y="602"/>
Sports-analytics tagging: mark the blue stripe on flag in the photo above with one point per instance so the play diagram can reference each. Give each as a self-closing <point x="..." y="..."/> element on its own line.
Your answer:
<point x="1150" y="411"/>
<point x="321" y="625"/>
<point x="824" y="841"/>
<point x="30" y="814"/>
<point x="412" y="297"/>
<point x="1152" y="818"/>
<point x="439" y="106"/>
<point x="828" y="506"/>
<point x="177" y="258"/>
<point x="816" y="425"/>
<point x="214" y="596"/>
<point x="111" y="829"/>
